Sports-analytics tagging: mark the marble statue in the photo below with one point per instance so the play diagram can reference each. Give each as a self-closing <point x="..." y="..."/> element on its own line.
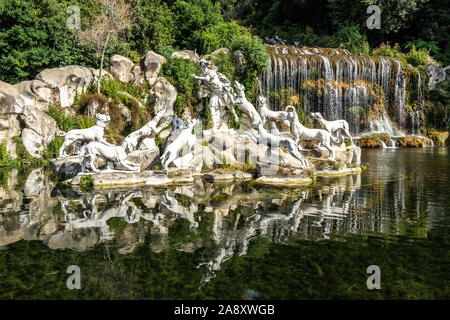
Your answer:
<point x="302" y="133"/>
<point x="336" y="126"/>
<point x="241" y="101"/>
<point x="94" y="133"/>
<point x="436" y="75"/>
<point x="267" y="114"/>
<point x="273" y="140"/>
<point x="220" y="92"/>
<point x="132" y="140"/>
<point x="184" y="141"/>
<point x="110" y="153"/>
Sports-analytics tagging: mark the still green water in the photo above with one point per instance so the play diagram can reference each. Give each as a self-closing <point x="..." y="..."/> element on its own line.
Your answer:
<point x="235" y="241"/>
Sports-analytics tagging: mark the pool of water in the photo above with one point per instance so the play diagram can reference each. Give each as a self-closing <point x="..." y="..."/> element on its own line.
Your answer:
<point x="234" y="241"/>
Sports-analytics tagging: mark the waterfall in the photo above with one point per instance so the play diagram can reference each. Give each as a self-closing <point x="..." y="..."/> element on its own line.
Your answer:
<point x="367" y="91"/>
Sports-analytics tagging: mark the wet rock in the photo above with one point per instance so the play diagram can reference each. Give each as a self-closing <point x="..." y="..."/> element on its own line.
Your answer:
<point x="34" y="183"/>
<point x="66" y="166"/>
<point x="439" y="138"/>
<point x="151" y="64"/>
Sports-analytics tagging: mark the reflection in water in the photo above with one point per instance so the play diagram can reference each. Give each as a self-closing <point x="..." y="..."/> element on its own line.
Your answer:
<point x="223" y="219"/>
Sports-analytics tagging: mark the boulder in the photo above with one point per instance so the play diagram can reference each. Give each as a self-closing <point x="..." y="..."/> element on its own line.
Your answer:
<point x="185" y="54"/>
<point x="239" y="60"/>
<point x="42" y="124"/>
<point x="138" y="77"/>
<point x="33" y="142"/>
<point x="144" y="157"/>
<point x="9" y="128"/>
<point x="125" y="112"/>
<point x="37" y="94"/>
<point x="68" y="81"/>
<point x="105" y="74"/>
<point x="151" y="63"/>
<point x="120" y="67"/>
<point x="165" y="95"/>
<point x="34" y="183"/>
<point x="10" y="100"/>
<point x="217" y="53"/>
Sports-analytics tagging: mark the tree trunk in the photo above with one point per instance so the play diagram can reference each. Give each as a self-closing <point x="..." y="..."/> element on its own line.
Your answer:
<point x="101" y="63"/>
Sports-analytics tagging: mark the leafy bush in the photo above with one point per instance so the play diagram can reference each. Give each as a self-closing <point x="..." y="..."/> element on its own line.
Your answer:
<point x="192" y="17"/>
<point x="256" y="61"/>
<point x="154" y="26"/>
<point x="179" y="72"/>
<point x="418" y="58"/>
<point x="385" y="49"/>
<point x="6" y="159"/>
<point x="350" y="38"/>
<point x="67" y="122"/>
<point x="219" y="36"/>
<point x="165" y="50"/>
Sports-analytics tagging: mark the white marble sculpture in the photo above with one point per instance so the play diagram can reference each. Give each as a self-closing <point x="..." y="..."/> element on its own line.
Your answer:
<point x="218" y="88"/>
<point x="184" y="141"/>
<point x="337" y="126"/>
<point x="267" y="114"/>
<point x="110" y="153"/>
<point x="94" y="133"/>
<point x="273" y="140"/>
<point x="241" y="101"/>
<point x="132" y="140"/>
<point x="302" y="133"/>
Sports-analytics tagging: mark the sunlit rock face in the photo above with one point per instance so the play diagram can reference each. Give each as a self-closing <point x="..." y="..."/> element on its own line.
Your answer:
<point x="367" y="91"/>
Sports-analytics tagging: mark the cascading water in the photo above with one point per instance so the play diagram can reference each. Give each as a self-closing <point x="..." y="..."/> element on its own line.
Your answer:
<point x="370" y="92"/>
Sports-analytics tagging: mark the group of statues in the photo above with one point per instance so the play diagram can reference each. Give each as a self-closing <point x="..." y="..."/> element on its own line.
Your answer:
<point x="221" y="96"/>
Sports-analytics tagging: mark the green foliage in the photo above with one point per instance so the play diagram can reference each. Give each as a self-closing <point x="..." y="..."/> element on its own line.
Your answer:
<point x="350" y="38"/>
<point x="117" y="224"/>
<point x="153" y="27"/>
<point x="112" y="87"/>
<point x="67" y="122"/>
<point x="418" y="58"/>
<point x="87" y="183"/>
<point x="254" y="51"/>
<point x="165" y="51"/>
<point x="256" y="61"/>
<point x="179" y="72"/>
<point x="430" y="46"/>
<point x="219" y="36"/>
<point x="191" y="19"/>
<point x="26" y="160"/>
<point x="52" y="150"/>
<point x="34" y="36"/>
<point x="6" y="159"/>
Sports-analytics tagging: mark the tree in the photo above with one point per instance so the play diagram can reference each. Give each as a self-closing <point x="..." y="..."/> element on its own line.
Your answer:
<point x="115" y="16"/>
